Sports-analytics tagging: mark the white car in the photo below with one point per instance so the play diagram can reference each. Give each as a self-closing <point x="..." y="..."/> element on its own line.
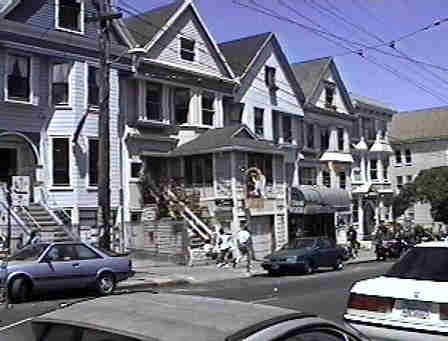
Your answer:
<point x="409" y="302"/>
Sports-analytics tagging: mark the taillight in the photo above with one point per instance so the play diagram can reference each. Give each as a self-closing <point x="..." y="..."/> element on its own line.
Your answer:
<point x="370" y="303"/>
<point x="443" y="311"/>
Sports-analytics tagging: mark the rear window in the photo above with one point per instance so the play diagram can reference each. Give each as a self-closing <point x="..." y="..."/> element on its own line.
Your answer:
<point x="424" y="263"/>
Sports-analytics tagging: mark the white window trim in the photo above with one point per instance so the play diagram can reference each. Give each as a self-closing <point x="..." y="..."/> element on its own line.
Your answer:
<point x="70" y="163"/>
<point x="50" y="92"/>
<point x="141" y="102"/>
<point x="88" y="185"/>
<point x="31" y="68"/>
<point x="82" y="15"/>
<point x="195" y="51"/>
<point x="201" y="119"/>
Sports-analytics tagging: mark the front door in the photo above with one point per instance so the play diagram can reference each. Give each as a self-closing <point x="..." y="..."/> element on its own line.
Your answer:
<point x="8" y="164"/>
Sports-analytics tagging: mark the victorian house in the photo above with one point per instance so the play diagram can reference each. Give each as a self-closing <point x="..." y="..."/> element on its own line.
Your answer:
<point x="320" y="201"/>
<point x="49" y="68"/>
<point x="371" y="181"/>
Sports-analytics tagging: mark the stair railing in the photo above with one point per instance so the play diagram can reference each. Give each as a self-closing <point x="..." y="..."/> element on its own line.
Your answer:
<point x="66" y="229"/>
<point x="29" y="217"/>
<point x="17" y="220"/>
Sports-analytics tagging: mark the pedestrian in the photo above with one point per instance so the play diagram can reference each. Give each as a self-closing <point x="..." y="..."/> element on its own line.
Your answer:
<point x="244" y="243"/>
<point x="225" y="247"/>
<point x="352" y="237"/>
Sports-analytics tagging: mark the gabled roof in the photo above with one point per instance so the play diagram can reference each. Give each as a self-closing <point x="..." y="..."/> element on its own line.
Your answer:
<point x="236" y="137"/>
<point x="145" y="26"/>
<point x="149" y="27"/>
<point x="363" y="100"/>
<point x="310" y="73"/>
<point x="240" y="53"/>
<point x="419" y="125"/>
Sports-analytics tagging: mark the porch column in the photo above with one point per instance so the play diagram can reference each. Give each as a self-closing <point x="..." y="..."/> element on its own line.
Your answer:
<point x="360" y="217"/>
<point x="219" y="113"/>
<point x="363" y="167"/>
<point x="346" y="141"/>
<point x="194" y="110"/>
<point x="379" y="170"/>
<point x="279" y="117"/>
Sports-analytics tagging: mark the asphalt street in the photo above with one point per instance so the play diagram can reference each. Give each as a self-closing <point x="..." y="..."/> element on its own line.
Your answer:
<point x="324" y="293"/>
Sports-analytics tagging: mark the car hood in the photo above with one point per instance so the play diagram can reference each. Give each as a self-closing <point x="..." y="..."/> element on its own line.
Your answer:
<point x="289" y="253"/>
<point x="403" y="289"/>
<point x="18" y="263"/>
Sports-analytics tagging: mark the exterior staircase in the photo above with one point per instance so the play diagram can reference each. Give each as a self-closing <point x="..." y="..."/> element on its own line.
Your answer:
<point x="39" y="217"/>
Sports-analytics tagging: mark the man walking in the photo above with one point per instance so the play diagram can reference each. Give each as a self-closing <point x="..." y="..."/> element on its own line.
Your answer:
<point x="244" y="242"/>
<point x="352" y="237"/>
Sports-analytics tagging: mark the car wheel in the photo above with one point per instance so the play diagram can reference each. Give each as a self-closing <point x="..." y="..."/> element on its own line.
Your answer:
<point x="308" y="267"/>
<point x="339" y="265"/>
<point x="20" y="290"/>
<point x="105" y="284"/>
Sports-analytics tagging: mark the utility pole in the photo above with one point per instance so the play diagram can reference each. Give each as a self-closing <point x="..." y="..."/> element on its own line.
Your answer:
<point x="104" y="18"/>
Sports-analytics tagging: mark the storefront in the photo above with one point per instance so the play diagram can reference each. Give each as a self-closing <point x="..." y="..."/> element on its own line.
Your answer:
<point x="314" y="210"/>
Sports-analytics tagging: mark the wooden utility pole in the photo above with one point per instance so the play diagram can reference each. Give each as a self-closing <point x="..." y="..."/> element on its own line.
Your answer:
<point x="104" y="17"/>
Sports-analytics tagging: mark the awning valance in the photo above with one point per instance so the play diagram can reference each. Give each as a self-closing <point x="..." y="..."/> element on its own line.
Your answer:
<point x="308" y="199"/>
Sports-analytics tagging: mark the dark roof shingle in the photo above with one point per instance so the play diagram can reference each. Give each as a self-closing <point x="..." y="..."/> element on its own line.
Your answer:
<point x="308" y="73"/>
<point x="144" y="27"/>
<point x="219" y="138"/>
<point x="419" y="125"/>
<point x="240" y="52"/>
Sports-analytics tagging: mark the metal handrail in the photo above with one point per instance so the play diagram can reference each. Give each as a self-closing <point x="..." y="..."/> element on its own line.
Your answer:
<point x="17" y="219"/>
<point x="60" y="223"/>
<point x="30" y="217"/>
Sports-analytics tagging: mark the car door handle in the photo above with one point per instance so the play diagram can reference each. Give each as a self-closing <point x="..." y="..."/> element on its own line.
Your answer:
<point x="75" y="265"/>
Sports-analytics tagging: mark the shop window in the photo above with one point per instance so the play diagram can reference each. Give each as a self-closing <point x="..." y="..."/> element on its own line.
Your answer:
<point x="19" y="80"/>
<point x="181" y="105"/>
<point x="208" y="108"/>
<point x="187" y="49"/>
<point x="264" y="163"/>
<point x="308" y="176"/>
<point x="407" y="156"/>
<point x="326" y="179"/>
<point x="373" y="170"/>
<point x="61" y="163"/>
<point x="153" y="101"/>
<point x="259" y="121"/>
<point x="93" y="162"/>
<point x="310" y="135"/>
<point x="342" y="180"/>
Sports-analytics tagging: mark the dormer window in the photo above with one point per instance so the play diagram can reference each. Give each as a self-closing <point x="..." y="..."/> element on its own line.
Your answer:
<point x="329" y="94"/>
<point x="187" y="50"/>
<point x="70" y="15"/>
<point x="269" y="74"/>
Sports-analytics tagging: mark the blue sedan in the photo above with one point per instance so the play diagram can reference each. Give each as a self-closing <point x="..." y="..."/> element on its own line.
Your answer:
<point x="46" y="267"/>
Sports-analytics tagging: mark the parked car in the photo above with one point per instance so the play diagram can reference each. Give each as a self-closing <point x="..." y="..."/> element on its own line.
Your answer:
<point x="409" y="302"/>
<point x="47" y="267"/>
<point x="305" y="255"/>
<point x="173" y="317"/>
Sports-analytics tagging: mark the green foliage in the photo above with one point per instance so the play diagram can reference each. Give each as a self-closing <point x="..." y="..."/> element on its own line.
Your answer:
<point x="430" y="186"/>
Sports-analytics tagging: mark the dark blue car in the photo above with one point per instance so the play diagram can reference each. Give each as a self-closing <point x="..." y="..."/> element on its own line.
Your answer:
<point x="305" y="255"/>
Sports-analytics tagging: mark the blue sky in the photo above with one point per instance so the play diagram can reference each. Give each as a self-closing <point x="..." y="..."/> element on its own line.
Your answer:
<point x="396" y="81"/>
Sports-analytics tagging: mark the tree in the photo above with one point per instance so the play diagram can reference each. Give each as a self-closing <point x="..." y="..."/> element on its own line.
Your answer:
<point x="430" y="186"/>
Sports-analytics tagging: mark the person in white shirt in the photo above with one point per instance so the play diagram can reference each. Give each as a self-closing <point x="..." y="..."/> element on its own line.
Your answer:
<point x="244" y="242"/>
<point x="225" y="247"/>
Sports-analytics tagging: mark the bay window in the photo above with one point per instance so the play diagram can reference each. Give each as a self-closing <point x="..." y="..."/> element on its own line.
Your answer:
<point x="153" y="101"/>
<point x="181" y="105"/>
<point x="208" y="108"/>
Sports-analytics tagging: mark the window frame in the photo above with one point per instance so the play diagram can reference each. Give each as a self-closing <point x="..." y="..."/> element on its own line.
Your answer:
<point x="407" y="156"/>
<point x="31" y="62"/>
<point x="89" y="176"/>
<point x="69" y="166"/>
<point x="176" y="107"/>
<point x="399" y="182"/>
<point x="208" y="111"/>
<point x="326" y="179"/>
<point x="340" y="132"/>
<point x="69" y="81"/>
<point x="81" y="18"/>
<point x="373" y="170"/>
<point x="355" y="211"/>
<point x="183" y="50"/>
<point x="342" y="180"/>
<point x="289" y="138"/>
<point x="398" y="157"/>
<point x="88" y="88"/>
<point x="195" y="161"/>
<point x="324" y="139"/>
<point x="265" y="163"/>
<point x="75" y="247"/>
<point x="308" y="179"/>
<point x="131" y="163"/>
<point x="145" y="101"/>
<point x="259" y="129"/>
<point x="310" y="140"/>
<point x="330" y="93"/>
<point x="270" y="77"/>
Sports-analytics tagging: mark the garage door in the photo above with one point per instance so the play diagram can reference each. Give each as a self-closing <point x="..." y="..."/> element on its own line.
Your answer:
<point x="261" y="236"/>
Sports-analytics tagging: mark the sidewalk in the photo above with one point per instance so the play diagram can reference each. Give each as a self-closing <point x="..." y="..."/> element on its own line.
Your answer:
<point x="151" y="273"/>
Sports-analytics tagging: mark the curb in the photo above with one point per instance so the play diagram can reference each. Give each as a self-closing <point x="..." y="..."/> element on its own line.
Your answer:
<point x="154" y="284"/>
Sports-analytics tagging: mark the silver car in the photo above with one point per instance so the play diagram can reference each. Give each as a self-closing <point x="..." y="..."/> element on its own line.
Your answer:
<point x="45" y="267"/>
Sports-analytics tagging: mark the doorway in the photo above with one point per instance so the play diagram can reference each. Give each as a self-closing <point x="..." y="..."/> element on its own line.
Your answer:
<point x="8" y="164"/>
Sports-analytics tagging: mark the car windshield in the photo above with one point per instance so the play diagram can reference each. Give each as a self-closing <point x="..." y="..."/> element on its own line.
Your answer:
<point x="423" y="263"/>
<point x="29" y="253"/>
<point x="300" y="243"/>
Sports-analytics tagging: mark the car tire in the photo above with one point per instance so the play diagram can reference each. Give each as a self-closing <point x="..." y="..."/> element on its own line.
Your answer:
<point x="105" y="284"/>
<point x="20" y="290"/>
<point x="339" y="265"/>
<point x="308" y="268"/>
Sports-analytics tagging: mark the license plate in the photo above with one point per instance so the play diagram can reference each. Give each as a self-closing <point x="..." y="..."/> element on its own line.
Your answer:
<point x="415" y="309"/>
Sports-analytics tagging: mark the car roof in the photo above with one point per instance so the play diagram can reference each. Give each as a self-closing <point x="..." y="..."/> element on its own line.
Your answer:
<point x="433" y="244"/>
<point x="165" y="317"/>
